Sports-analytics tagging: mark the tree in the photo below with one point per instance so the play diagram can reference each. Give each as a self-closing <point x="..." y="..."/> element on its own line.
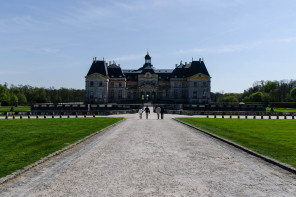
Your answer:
<point x="13" y="100"/>
<point x="246" y="99"/>
<point x="256" y="97"/>
<point x="22" y="98"/>
<point x="293" y="93"/>
<point x="4" y="94"/>
<point x="230" y="99"/>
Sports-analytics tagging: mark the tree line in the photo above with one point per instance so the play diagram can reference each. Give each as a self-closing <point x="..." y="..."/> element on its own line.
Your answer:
<point x="27" y="95"/>
<point x="262" y="92"/>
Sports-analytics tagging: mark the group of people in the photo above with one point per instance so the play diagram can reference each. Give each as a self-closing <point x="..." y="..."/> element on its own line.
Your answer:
<point x="158" y="110"/>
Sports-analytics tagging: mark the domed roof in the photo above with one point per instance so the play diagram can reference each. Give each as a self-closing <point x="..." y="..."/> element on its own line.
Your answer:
<point x="147" y="56"/>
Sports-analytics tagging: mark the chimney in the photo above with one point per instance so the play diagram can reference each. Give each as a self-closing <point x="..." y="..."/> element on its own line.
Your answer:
<point x="95" y="59"/>
<point x="118" y="65"/>
<point x="186" y="63"/>
<point x="176" y="65"/>
<point x="199" y="60"/>
<point x="109" y="62"/>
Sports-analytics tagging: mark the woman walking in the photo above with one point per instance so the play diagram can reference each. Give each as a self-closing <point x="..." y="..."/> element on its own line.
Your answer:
<point x="140" y="113"/>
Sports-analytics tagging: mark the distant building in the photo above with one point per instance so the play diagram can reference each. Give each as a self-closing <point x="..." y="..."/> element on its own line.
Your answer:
<point x="186" y="83"/>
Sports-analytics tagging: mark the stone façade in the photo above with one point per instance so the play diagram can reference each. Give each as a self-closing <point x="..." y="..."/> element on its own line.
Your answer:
<point x="186" y="83"/>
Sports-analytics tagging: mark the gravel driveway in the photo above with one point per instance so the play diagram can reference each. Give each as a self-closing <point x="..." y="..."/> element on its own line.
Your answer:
<point x="153" y="158"/>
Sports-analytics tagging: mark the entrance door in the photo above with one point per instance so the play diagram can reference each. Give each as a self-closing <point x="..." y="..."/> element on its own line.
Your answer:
<point x="148" y="96"/>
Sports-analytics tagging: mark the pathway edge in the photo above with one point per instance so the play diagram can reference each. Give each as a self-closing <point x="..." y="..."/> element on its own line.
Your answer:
<point x="251" y="152"/>
<point x="50" y="156"/>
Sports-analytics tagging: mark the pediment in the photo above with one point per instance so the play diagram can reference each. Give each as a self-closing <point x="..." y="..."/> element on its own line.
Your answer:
<point x="198" y="76"/>
<point x="96" y="76"/>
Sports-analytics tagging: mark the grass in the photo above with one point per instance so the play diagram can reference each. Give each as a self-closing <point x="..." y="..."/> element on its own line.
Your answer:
<point x="282" y="109"/>
<point x="19" y="108"/>
<point x="273" y="138"/>
<point x="22" y="142"/>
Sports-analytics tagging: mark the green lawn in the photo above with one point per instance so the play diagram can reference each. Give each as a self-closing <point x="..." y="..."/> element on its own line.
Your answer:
<point x="282" y="109"/>
<point x="22" y="142"/>
<point x="19" y="108"/>
<point x="274" y="138"/>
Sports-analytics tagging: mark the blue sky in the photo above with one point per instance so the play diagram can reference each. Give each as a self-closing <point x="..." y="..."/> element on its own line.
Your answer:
<point x="52" y="43"/>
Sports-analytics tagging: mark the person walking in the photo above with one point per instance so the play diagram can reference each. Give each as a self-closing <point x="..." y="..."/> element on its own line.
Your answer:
<point x="157" y="110"/>
<point x="140" y="113"/>
<point x="161" y="111"/>
<point x="147" y="110"/>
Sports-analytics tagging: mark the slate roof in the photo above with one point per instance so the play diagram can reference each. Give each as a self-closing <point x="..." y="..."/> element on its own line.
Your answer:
<point x="197" y="67"/>
<point x="190" y="69"/>
<point x="181" y="71"/>
<point x="98" y="67"/>
<point x="115" y="71"/>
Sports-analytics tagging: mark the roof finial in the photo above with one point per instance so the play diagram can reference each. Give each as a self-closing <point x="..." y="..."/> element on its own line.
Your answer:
<point x="147" y="52"/>
<point x="103" y="59"/>
<point x="192" y="58"/>
<point x="181" y="62"/>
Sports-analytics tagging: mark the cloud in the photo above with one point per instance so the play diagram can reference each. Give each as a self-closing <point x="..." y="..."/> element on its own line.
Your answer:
<point x="9" y="72"/>
<point x="237" y="47"/>
<point x="129" y="57"/>
<point x="50" y="50"/>
<point x="287" y="40"/>
<point x="222" y="49"/>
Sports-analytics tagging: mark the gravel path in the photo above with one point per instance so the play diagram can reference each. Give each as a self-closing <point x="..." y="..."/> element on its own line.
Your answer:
<point x="153" y="158"/>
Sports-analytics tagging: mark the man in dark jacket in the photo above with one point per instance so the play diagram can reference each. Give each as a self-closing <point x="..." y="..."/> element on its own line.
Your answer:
<point x="161" y="111"/>
<point x="147" y="110"/>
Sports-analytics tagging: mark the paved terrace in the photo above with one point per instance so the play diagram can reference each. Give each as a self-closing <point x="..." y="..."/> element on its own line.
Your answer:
<point x="153" y="158"/>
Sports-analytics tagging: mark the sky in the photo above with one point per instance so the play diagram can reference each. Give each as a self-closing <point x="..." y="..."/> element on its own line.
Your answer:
<point x="52" y="43"/>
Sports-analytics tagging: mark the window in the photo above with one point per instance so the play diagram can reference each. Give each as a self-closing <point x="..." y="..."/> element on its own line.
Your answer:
<point x="195" y="84"/>
<point x="120" y="84"/>
<point x="100" y="84"/>
<point x="112" y="84"/>
<point x="91" y="94"/>
<point x="194" y="94"/>
<point x="176" y="94"/>
<point x="120" y="94"/>
<point x="128" y="94"/>
<point x="91" y="83"/>
<point x="204" y="84"/>
<point x="100" y="94"/>
<point x="183" y="94"/>
<point x="112" y="94"/>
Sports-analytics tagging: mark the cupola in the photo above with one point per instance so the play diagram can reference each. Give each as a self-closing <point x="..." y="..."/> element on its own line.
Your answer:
<point x="147" y="58"/>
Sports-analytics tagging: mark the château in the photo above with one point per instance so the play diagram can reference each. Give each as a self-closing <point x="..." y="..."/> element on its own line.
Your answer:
<point x="186" y="83"/>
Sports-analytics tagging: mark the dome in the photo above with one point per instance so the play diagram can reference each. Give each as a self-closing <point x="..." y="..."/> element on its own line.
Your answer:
<point x="147" y="56"/>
